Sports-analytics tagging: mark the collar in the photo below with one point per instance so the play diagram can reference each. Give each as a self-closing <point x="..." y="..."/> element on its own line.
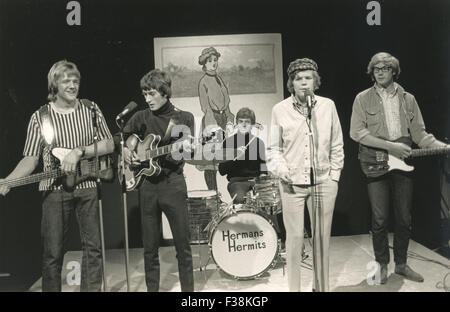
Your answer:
<point x="65" y="111"/>
<point x="302" y="109"/>
<point x="165" y="109"/>
<point x="391" y="90"/>
<point x="296" y="102"/>
<point x="211" y="72"/>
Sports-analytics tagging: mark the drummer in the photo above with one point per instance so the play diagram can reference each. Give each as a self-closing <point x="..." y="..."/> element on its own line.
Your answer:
<point x="249" y="159"/>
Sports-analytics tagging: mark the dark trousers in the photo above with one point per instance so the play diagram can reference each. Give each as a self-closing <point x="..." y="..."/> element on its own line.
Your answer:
<point x="395" y="187"/>
<point x="168" y="195"/>
<point x="56" y="209"/>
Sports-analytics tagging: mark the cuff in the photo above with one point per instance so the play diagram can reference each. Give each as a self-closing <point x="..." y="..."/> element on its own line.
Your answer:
<point x="335" y="175"/>
<point x="359" y="135"/>
<point x="427" y="141"/>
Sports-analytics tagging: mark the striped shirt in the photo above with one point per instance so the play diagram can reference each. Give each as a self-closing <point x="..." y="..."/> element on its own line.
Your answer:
<point x="69" y="130"/>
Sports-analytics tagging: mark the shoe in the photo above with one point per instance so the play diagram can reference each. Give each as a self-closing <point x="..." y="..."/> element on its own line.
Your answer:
<point x="383" y="273"/>
<point x="408" y="273"/>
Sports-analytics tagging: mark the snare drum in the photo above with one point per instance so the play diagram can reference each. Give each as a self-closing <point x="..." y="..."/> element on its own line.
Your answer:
<point x="268" y="194"/>
<point x="202" y="206"/>
<point x="244" y="245"/>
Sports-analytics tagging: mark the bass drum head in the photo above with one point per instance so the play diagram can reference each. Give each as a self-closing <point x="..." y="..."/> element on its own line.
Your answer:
<point x="244" y="245"/>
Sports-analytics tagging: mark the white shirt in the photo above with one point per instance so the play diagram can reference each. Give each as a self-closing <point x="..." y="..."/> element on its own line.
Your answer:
<point x="289" y="148"/>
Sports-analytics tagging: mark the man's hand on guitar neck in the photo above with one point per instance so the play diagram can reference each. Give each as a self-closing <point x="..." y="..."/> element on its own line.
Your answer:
<point x="399" y="150"/>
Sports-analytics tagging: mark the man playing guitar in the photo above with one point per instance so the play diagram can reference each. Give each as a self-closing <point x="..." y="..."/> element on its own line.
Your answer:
<point x="384" y="120"/>
<point x="65" y="122"/>
<point x="166" y="190"/>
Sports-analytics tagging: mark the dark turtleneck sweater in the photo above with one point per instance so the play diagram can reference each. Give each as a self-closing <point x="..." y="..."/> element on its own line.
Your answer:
<point x="252" y="164"/>
<point x="146" y="122"/>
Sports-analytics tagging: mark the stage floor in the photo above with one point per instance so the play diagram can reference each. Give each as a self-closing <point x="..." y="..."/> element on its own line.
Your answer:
<point x="350" y="258"/>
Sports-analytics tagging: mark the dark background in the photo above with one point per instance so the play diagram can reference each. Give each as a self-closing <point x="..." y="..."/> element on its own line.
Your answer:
<point x="113" y="49"/>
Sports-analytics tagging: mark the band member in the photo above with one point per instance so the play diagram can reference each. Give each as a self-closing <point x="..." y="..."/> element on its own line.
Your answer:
<point x="381" y="115"/>
<point x="215" y="104"/>
<point x="66" y="122"/>
<point x="250" y="160"/>
<point x="289" y="159"/>
<point x="167" y="191"/>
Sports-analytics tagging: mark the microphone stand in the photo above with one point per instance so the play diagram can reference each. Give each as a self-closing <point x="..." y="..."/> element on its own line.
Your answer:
<point x="316" y="211"/>
<point x="99" y="194"/>
<point x="124" y="201"/>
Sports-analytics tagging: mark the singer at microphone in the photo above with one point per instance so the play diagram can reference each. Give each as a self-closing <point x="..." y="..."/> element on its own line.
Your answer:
<point x="308" y="156"/>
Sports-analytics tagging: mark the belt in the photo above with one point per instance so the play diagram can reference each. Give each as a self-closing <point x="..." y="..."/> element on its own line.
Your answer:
<point x="218" y="111"/>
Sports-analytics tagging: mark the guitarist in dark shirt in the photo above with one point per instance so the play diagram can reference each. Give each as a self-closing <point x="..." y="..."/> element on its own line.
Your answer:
<point x="386" y="118"/>
<point x="167" y="191"/>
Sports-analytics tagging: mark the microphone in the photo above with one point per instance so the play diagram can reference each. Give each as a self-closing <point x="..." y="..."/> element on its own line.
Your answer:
<point x="129" y="108"/>
<point x="309" y="97"/>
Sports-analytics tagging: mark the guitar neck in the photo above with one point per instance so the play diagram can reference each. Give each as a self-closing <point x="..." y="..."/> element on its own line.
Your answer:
<point x="163" y="150"/>
<point x="429" y="151"/>
<point x="34" y="178"/>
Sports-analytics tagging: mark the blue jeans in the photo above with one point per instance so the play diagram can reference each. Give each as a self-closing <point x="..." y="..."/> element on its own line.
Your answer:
<point x="168" y="195"/>
<point x="395" y="187"/>
<point x="56" y="209"/>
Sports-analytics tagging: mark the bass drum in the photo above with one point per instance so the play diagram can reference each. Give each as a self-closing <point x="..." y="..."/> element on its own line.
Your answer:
<point x="244" y="244"/>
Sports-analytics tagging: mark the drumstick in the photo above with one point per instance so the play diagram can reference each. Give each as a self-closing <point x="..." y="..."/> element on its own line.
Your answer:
<point x="245" y="147"/>
<point x="227" y="208"/>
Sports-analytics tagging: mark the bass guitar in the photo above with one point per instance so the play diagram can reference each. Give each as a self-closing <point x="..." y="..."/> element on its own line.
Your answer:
<point x="86" y="170"/>
<point x="376" y="162"/>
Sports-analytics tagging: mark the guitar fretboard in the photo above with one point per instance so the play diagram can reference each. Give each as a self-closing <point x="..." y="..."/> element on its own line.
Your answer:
<point x="429" y="151"/>
<point x="34" y="178"/>
<point x="51" y="174"/>
<point x="163" y="150"/>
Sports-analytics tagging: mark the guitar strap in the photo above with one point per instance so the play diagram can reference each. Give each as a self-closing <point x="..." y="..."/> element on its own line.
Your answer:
<point x="168" y="133"/>
<point x="47" y="123"/>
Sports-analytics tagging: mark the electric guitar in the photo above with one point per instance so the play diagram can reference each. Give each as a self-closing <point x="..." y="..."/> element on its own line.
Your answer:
<point x="376" y="162"/>
<point x="148" y="151"/>
<point x="86" y="170"/>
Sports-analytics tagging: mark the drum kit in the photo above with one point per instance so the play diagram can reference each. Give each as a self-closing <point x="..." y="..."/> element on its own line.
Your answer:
<point x="242" y="239"/>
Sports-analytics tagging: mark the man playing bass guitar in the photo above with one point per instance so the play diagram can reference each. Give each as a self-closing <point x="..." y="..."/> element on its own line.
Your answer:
<point x="65" y="122"/>
<point x="385" y="121"/>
